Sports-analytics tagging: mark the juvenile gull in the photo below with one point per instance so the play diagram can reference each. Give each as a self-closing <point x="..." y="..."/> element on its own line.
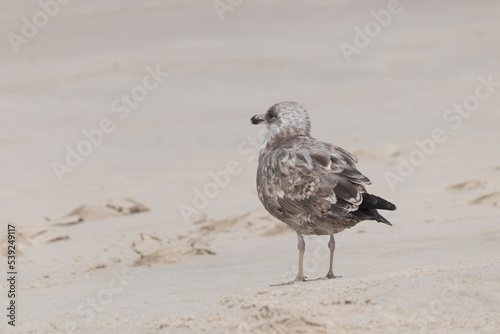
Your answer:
<point x="312" y="186"/>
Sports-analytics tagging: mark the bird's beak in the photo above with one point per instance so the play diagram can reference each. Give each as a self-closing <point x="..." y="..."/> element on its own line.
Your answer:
<point x="257" y="119"/>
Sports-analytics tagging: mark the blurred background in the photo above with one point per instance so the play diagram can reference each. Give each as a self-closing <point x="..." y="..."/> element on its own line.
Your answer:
<point x="65" y="78"/>
<point x="375" y="77"/>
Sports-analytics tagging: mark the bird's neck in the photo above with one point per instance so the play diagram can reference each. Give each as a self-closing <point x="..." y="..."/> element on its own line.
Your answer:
<point x="270" y="140"/>
<point x="274" y="137"/>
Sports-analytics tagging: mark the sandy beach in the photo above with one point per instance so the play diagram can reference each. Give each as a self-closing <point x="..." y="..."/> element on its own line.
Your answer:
<point x="127" y="182"/>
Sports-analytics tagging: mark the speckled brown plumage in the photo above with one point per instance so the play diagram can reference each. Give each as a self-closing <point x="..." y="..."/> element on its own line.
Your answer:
<point x="312" y="186"/>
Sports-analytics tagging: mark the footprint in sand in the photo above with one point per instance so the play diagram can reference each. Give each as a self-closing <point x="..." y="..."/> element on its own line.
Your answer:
<point x="160" y="249"/>
<point x="471" y="185"/>
<point x="101" y="209"/>
<point x="489" y="199"/>
<point x="33" y="236"/>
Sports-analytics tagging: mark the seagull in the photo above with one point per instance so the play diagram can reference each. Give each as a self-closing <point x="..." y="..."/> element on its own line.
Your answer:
<point x="312" y="186"/>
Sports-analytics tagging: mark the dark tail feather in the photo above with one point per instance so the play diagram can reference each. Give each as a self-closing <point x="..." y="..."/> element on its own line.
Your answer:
<point x="375" y="202"/>
<point x="378" y="217"/>
<point x="368" y="208"/>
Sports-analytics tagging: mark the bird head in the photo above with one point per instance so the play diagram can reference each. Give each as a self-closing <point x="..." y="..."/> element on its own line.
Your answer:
<point x="284" y="120"/>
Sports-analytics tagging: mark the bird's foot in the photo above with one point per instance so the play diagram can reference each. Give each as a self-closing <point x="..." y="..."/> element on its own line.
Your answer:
<point x="297" y="279"/>
<point x="330" y="275"/>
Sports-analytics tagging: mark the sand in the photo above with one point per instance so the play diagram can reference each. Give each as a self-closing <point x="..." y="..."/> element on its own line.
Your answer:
<point x="157" y="228"/>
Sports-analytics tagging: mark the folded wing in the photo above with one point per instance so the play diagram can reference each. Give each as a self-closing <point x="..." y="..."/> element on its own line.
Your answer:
<point x="313" y="177"/>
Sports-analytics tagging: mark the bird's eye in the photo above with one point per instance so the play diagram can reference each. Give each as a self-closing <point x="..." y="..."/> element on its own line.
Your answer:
<point x="271" y="114"/>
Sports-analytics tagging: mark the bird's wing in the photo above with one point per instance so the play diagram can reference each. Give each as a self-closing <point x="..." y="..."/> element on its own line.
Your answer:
<point x="313" y="177"/>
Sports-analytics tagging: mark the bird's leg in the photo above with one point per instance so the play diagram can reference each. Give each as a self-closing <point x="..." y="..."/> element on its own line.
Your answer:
<point x="302" y="248"/>
<point x="300" y="276"/>
<point x="331" y="246"/>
